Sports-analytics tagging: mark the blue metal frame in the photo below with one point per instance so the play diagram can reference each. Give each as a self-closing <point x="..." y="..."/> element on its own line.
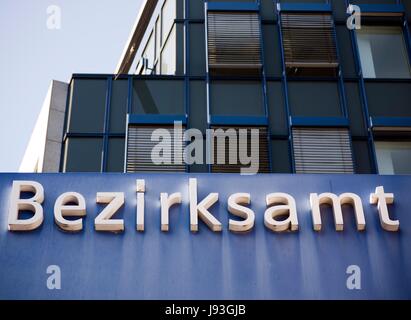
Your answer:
<point x="232" y="6"/>
<point x="381" y="8"/>
<point x="187" y="69"/>
<point x="208" y="93"/>
<point x="364" y="100"/>
<point x="341" y="91"/>
<point x="106" y="124"/>
<point x="319" y="122"/>
<point x="285" y="91"/>
<point x="390" y="122"/>
<point x="306" y="7"/>
<point x="238" y="120"/>
<point x="264" y="92"/>
<point x="156" y="119"/>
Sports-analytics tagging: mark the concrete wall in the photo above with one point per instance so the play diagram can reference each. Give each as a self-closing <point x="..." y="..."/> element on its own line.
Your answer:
<point x="44" y="149"/>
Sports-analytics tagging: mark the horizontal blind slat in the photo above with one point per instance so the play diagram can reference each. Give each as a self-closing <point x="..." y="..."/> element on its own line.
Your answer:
<point x="234" y="40"/>
<point x="140" y="146"/>
<point x="308" y="40"/>
<point x="219" y="156"/>
<point x="322" y="150"/>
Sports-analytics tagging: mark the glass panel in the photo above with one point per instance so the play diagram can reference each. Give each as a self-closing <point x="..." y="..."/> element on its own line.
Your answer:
<point x="149" y="55"/>
<point x="168" y="56"/>
<point x="393" y="157"/>
<point x="118" y="109"/>
<point x="87" y="106"/>
<point x="240" y="98"/>
<point x="388" y="99"/>
<point x="83" y="155"/>
<point x="314" y="99"/>
<point x="158" y="97"/>
<point x="115" y="159"/>
<point x="168" y="16"/>
<point x="383" y="52"/>
<point x="197" y="49"/>
<point x="158" y="37"/>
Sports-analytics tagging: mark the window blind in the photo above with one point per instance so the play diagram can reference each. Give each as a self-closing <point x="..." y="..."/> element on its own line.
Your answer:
<point x="221" y="158"/>
<point x="140" y="146"/>
<point x="322" y="150"/>
<point x="309" y="41"/>
<point x="234" y="41"/>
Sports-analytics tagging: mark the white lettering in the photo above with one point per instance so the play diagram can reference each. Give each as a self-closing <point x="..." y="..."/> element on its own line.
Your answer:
<point x="336" y="203"/>
<point x="62" y="208"/>
<point x="103" y="221"/>
<point x="287" y="206"/>
<point x="382" y="199"/>
<point x="200" y="209"/>
<point x="32" y="204"/>
<point x="236" y="209"/>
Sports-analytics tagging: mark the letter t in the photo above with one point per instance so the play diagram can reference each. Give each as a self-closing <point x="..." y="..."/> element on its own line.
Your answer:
<point x="382" y="199"/>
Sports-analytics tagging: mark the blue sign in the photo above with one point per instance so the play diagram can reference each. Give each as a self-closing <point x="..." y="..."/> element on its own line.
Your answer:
<point x="50" y="263"/>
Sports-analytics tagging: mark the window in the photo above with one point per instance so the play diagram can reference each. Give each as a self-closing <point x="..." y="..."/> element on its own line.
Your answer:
<point x="383" y="52"/>
<point x="115" y="158"/>
<point x="158" y="37"/>
<point x="229" y="150"/>
<point x="168" y="55"/>
<point x="83" y="155"/>
<point x="309" y="44"/>
<point x="140" y="147"/>
<point x="322" y="150"/>
<point x="149" y="56"/>
<point x="169" y="13"/>
<point x="234" y="42"/>
<point x="393" y="157"/>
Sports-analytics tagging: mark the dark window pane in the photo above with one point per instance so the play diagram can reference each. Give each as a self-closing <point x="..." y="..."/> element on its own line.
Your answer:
<point x="88" y="103"/>
<point x="118" y="109"/>
<point x="158" y="97"/>
<point x="240" y="98"/>
<point x="115" y="159"/>
<point x="314" y="99"/>
<point x="83" y="155"/>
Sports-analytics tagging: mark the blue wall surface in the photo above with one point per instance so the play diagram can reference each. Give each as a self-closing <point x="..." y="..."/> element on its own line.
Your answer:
<point x="206" y="265"/>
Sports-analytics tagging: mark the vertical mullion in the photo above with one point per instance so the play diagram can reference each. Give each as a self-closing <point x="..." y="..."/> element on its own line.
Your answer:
<point x="363" y="94"/>
<point x="264" y="87"/>
<point x="285" y="91"/>
<point x="106" y="124"/>
<point x="208" y="141"/>
<point x="187" y="71"/>
<point x="341" y="85"/>
<point x="130" y="94"/>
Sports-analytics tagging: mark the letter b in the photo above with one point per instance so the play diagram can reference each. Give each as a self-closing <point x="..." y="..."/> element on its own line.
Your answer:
<point x="32" y="204"/>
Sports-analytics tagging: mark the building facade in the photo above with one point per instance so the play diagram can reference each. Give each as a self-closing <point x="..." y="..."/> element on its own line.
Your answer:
<point x="325" y="98"/>
<point x="287" y="83"/>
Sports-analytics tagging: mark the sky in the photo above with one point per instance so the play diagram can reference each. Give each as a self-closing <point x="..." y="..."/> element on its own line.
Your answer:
<point x="91" y="38"/>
